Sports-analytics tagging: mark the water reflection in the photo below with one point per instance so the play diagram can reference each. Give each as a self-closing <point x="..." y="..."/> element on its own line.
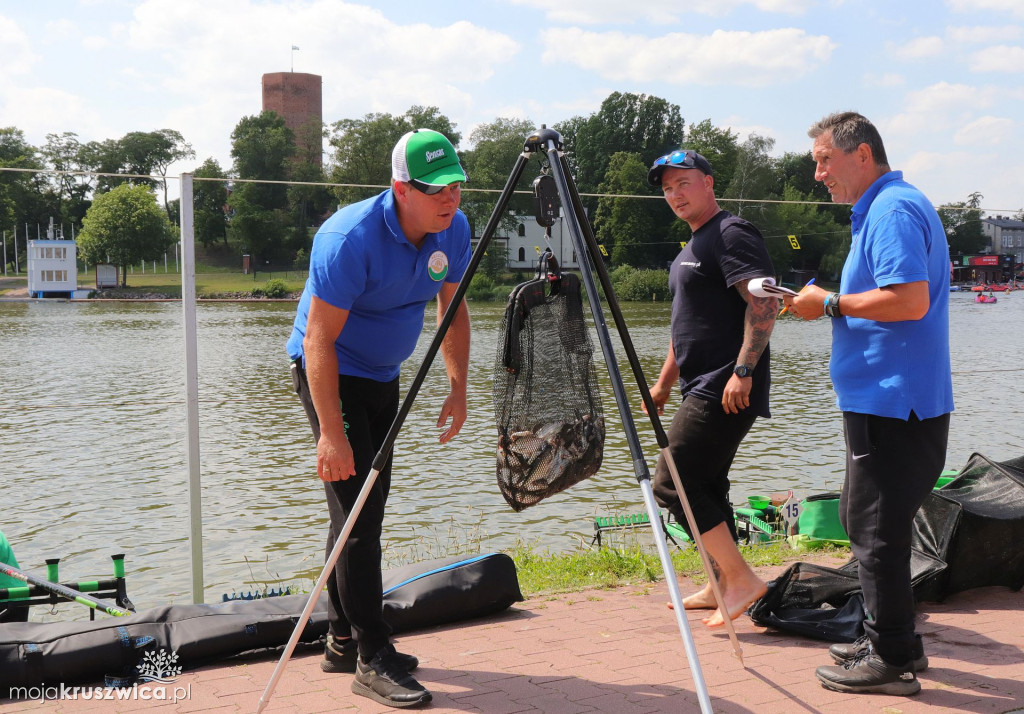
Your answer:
<point x="92" y="455"/>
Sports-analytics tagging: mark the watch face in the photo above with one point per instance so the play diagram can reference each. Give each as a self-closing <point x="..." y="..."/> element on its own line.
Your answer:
<point x="742" y="370"/>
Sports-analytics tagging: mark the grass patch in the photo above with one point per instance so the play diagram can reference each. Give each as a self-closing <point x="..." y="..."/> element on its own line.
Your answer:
<point x="635" y="564"/>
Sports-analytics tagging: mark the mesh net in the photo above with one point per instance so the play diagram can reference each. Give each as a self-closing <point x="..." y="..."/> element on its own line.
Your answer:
<point x="546" y="402"/>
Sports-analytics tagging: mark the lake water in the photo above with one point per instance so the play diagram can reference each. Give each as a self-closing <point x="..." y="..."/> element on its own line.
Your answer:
<point x="92" y="441"/>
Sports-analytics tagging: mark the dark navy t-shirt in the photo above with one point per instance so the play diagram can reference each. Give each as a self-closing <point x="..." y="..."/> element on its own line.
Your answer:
<point x="708" y="312"/>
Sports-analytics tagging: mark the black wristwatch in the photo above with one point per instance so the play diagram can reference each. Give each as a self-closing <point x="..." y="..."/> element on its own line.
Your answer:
<point x="742" y="370"/>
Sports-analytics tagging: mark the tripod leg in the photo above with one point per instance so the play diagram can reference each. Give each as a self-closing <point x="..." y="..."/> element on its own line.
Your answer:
<point x="396" y="426"/>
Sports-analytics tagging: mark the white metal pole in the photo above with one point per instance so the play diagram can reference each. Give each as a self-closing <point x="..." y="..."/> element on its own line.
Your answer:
<point x="188" y="303"/>
<point x="17" y="266"/>
<point x="5" y="253"/>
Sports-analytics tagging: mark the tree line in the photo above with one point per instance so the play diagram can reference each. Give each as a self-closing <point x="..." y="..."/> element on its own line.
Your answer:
<point x="270" y="200"/>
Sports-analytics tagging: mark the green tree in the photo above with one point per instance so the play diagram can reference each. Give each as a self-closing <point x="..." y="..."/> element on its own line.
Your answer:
<point x="962" y="221"/>
<point x="362" y="147"/>
<point x="496" y="146"/>
<point x="754" y="178"/>
<point x="165" y="147"/>
<point x="124" y="226"/>
<point x="16" y="188"/>
<point x="208" y="201"/>
<point x="719" y="147"/>
<point x="624" y="224"/>
<point x="637" y="123"/>
<point x="495" y="259"/>
<point x="307" y="201"/>
<point x="66" y="154"/>
<point x="261" y="147"/>
<point x="823" y="242"/>
<point x="798" y="172"/>
<point x="137" y="155"/>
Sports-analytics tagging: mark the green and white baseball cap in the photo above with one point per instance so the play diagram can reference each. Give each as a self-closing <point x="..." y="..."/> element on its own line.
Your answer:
<point x="425" y="158"/>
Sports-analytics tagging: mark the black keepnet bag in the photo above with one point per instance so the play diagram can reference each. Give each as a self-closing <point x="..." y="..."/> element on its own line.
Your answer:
<point x="546" y="401"/>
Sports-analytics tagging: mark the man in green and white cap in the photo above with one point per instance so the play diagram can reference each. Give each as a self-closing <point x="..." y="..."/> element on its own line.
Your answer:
<point x="373" y="268"/>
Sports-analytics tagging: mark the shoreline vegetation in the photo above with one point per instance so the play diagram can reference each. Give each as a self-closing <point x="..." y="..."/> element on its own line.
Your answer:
<point x="212" y="283"/>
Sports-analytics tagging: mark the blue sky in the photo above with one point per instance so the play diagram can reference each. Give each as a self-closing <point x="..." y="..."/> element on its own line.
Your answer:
<point x="942" y="80"/>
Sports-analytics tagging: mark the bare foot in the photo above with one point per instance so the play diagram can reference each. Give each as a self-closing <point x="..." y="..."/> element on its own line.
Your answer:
<point x="702" y="600"/>
<point x="737" y="599"/>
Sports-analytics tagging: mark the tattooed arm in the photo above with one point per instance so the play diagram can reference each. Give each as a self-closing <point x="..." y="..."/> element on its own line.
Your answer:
<point x="757" y="329"/>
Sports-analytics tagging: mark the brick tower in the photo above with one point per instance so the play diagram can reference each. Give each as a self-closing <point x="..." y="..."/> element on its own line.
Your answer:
<point x="297" y="97"/>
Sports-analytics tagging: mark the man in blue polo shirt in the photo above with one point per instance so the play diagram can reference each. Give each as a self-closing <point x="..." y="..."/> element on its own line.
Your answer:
<point x="890" y="369"/>
<point x="373" y="268"/>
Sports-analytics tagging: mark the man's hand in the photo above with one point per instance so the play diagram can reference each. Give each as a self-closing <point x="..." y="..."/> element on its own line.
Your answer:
<point x="809" y="304"/>
<point x="736" y="396"/>
<point x="659" y="395"/>
<point x="334" y="460"/>
<point x="454" y="407"/>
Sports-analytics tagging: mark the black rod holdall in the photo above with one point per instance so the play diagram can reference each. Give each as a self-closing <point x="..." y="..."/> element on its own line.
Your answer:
<point x="111" y="650"/>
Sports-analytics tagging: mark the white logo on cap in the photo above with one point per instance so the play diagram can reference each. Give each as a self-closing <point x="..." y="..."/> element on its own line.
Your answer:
<point x="436" y="154"/>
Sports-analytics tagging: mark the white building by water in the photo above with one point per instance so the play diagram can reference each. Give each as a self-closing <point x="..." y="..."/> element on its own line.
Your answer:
<point x="525" y="243"/>
<point x="52" y="266"/>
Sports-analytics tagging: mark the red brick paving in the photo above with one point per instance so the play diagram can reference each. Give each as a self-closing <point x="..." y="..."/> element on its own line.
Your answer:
<point x="619" y="651"/>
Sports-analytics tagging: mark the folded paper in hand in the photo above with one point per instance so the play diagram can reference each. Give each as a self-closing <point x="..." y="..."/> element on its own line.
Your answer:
<point x="766" y="287"/>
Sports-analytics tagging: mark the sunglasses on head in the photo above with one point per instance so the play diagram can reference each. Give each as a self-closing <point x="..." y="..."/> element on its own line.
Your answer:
<point x="683" y="157"/>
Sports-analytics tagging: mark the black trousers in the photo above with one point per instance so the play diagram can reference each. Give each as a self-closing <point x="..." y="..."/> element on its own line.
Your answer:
<point x="891" y="467"/>
<point x="703" y="440"/>
<point x="355" y="593"/>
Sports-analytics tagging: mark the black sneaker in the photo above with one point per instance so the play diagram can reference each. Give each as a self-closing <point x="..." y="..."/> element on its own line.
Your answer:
<point x="384" y="679"/>
<point x="842" y="653"/>
<point x="341" y="657"/>
<point x="870" y="674"/>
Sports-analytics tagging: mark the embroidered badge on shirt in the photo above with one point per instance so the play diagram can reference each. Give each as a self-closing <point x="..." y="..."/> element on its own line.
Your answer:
<point x="437" y="265"/>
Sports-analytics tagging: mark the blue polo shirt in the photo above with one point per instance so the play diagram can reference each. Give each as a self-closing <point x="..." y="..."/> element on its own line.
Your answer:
<point x="362" y="262"/>
<point x="891" y="369"/>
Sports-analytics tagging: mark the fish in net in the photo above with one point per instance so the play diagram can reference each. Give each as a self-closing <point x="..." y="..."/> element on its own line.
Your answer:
<point x="546" y="400"/>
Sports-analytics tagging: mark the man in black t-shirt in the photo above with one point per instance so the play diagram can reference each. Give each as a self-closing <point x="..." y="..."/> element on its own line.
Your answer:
<point x="718" y="356"/>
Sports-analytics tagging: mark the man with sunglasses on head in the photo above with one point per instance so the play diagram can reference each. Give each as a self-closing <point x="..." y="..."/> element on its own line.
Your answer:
<point x="890" y="369"/>
<point x="374" y="266"/>
<point x="718" y="358"/>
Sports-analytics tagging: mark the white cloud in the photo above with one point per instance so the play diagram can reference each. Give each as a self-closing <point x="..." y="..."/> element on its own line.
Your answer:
<point x="724" y="57"/>
<point x="985" y="131"/>
<point x="1001" y="58"/>
<point x="591" y="12"/>
<point x="1011" y="7"/>
<point x="211" y="70"/>
<point x="884" y="80"/>
<point x="983" y="35"/>
<point x="94" y="43"/>
<point x="35" y="108"/>
<point x="944" y="98"/>
<point x="986" y="173"/>
<point x="918" y="48"/>
<point x="59" y="30"/>
<point x="16" y="55"/>
<point x="744" y="129"/>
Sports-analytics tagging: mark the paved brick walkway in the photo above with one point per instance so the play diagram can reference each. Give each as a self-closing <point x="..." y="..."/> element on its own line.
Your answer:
<point x="620" y="651"/>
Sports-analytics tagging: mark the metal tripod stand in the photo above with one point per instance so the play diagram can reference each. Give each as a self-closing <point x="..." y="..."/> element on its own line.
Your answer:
<point x="548" y="142"/>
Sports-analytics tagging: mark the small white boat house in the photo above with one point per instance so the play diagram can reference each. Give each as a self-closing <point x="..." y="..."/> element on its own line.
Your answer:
<point x="52" y="267"/>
